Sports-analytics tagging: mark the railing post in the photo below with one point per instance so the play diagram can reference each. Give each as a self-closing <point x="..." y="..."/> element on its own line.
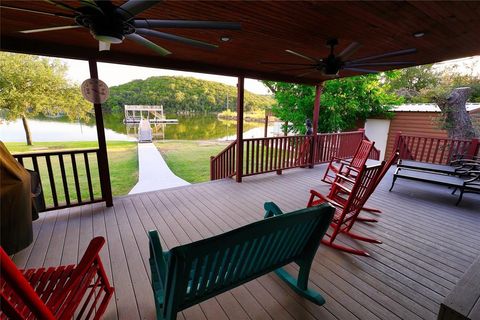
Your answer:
<point x="212" y="168"/>
<point x="396" y="145"/>
<point x="103" y="167"/>
<point x="316" y="112"/>
<point x="239" y="157"/>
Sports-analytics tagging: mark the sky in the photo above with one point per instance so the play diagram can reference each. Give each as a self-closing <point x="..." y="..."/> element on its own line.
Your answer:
<point x="115" y="74"/>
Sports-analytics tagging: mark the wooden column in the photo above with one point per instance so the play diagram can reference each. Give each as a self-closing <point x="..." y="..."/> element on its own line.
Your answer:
<point x="316" y="112"/>
<point x="103" y="167"/>
<point x="240" y="103"/>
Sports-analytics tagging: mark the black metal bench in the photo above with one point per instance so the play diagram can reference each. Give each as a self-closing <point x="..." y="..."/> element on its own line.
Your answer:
<point x="470" y="185"/>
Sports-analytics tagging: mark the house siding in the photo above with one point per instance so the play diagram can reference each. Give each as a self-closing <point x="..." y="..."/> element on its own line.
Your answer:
<point x="414" y="123"/>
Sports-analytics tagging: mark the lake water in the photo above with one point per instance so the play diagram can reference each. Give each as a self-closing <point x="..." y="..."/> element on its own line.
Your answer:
<point x="196" y="127"/>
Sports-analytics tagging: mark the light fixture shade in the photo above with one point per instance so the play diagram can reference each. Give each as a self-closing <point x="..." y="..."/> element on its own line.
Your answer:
<point x="103" y="46"/>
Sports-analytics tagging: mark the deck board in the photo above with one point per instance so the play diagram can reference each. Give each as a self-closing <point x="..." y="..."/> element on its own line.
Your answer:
<point x="428" y="243"/>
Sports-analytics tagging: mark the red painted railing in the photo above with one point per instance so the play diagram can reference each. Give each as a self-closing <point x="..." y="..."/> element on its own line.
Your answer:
<point x="435" y="150"/>
<point x="223" y="165"/>
<point x="262" y="155"/>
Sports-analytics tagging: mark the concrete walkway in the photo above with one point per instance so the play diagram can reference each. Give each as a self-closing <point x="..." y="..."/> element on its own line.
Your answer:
<point x="154" y="174"/>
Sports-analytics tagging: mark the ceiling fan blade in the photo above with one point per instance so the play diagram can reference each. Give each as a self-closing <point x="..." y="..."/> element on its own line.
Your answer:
<point x="348" y="51"/>
<point x="387" y="55"/>
<point x="360" y="70"/>
<point x="308" y="72"/>
<point x="51" y="29"/>
<point x="131" y="8"/>
<point x="147" y="43"/>
<point x="289" y="63"/>
<point x="303" y="56"/>
<point x="293" y="69"/>
<point x="151" y="23"/>
<point x="171" y="37"/>
<point x="61" y="5"/>
<point x="61" y="15"/>
<point x="389" y="63"/>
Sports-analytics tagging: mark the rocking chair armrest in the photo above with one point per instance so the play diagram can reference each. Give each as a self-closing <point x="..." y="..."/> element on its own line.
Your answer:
<point x="157" y="256"/>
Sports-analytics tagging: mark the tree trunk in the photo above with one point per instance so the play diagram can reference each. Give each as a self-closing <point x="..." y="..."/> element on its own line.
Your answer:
<point x="28" y="135"/>
<point x="457" y="121"/>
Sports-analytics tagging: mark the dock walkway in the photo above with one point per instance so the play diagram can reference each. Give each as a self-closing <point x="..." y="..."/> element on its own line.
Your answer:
<point x="154" y="174"/>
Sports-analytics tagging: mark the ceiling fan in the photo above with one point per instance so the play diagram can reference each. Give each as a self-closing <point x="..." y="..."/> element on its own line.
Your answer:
<point x="331" y="65"/>
<point x="109" y="23"/>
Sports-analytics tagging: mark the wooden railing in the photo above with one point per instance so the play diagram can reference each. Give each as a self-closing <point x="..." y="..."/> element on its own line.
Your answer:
<point x="68" y="178"/>
<point x="223" y="165"/>
<point x="435" y="150"/>
<point x="262" y="155"/>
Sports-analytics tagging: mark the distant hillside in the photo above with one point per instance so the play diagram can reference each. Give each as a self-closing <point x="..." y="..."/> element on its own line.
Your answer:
<point x="182" y="94"/>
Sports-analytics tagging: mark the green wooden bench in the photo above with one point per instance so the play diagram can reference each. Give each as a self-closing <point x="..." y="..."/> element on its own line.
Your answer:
<point x="189" y="274"/>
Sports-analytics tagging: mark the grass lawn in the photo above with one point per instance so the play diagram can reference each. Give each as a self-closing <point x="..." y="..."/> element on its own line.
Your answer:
<point x="123" y="163"/>
<point x="190" y="160"/>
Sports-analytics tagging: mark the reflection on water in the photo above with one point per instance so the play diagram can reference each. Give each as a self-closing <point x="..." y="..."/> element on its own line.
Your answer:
<point x="193" y="127"/>
<point x="54" y="130"/>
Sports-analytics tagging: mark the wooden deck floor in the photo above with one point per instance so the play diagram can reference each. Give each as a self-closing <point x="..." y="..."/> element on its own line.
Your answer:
<point x="428" y="244"/>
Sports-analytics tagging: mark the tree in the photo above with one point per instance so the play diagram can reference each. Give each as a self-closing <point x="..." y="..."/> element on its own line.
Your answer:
<point x="343" y="102"/>
<point x="31" y="85"/>
<point x="425" y="84"/>
<point x="456" y="119"/>
<point x="410" y="82"/>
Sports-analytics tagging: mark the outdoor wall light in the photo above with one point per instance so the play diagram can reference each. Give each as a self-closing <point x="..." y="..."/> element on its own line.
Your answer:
<point x="225" y="38"/>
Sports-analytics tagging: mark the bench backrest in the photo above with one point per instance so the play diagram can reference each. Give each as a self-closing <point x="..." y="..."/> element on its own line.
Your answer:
<point x="202" y="269"/>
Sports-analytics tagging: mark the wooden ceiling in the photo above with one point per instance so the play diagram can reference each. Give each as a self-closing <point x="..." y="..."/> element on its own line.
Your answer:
<point x="451" y="30"/>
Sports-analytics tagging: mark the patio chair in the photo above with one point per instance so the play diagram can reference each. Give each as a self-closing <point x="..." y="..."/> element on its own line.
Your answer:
<point x="347" y="208"/>
<point x="382" y="174"/>
<point x="470" y="184"/>
<point x="189" y="274"/>
<point x="459" y="168"/>
<point x="56" y="292"/>
<point x="345" y="167"/>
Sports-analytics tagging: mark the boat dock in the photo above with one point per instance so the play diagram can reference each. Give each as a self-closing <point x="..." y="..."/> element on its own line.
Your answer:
<point x="154" y="114"/>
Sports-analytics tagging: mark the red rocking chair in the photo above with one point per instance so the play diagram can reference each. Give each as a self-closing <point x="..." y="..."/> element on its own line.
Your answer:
<point x="55" y="292"/>
<point x="348" y="201"/>
<point x="393" y="158"/>
<point x="345" y="167"/>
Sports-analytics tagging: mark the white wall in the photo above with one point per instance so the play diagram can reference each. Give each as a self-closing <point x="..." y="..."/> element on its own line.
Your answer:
<point x="377" y="130"/>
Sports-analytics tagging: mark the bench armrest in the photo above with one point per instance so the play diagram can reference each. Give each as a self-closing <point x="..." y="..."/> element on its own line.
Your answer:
<point x="158" y="262"/>
<point x="476" y="176"/>
<point x="271" y="210"/>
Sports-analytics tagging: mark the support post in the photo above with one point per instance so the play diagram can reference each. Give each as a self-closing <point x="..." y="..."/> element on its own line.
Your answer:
<point x="240" y="105"/>
<point x="103" y="167"/>
<point x="316" y="112"/>
<point x="265" y="131"/>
